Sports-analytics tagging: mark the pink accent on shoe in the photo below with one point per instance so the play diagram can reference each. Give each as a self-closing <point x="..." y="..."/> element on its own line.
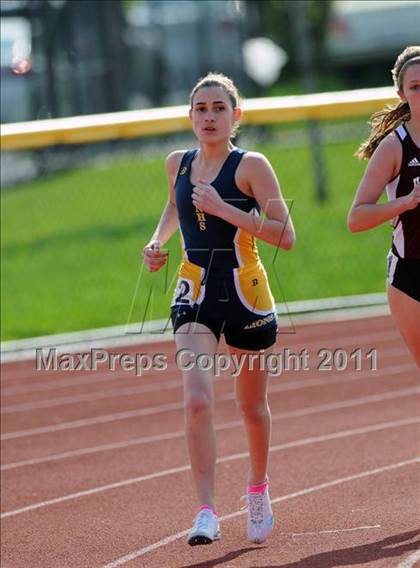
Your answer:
<point x="209" y="508"/>
<point x="260" y="488"/>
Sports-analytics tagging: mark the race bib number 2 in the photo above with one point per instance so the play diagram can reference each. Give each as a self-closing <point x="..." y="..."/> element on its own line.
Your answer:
<point x="184" y="292"/>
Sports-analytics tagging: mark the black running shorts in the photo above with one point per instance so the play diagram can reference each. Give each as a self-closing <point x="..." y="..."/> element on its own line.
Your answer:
<point x="237" y="303"/>
<point x="404" y="274"/>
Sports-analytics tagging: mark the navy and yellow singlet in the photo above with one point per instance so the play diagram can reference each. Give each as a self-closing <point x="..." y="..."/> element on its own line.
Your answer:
<point x="222" y="282"/>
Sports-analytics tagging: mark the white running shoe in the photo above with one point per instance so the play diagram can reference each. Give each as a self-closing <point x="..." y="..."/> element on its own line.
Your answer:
<point x="206" y="528"/>
<point x="260" y="516"/>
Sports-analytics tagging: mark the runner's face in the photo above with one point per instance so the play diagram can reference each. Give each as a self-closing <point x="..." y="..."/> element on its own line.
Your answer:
<point x="411" y="88"/>
<point x="212" y="115"/>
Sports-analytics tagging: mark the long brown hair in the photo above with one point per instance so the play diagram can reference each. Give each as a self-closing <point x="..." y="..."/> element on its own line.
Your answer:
<point x="388" y="119"/>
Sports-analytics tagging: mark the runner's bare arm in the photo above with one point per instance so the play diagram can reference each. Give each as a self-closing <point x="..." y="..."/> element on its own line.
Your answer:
<point x="153" y="257"/>
<point x="277" y="226"/>
<point x="365" y="213"/>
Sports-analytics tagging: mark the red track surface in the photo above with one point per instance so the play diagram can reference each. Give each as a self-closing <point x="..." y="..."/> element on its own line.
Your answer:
<point x="95" y="469"/>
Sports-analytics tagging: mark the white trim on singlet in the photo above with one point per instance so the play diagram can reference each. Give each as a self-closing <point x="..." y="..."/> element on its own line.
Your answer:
<point x="392" y="265"/>
<point x="391" y="188"/>
<point x="397" y="233"/>
<point x="398" y="238"/>
<point x="402" y="132"/>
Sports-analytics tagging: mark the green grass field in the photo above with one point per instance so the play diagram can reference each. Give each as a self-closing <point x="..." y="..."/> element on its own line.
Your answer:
<point x="71" y="243"/>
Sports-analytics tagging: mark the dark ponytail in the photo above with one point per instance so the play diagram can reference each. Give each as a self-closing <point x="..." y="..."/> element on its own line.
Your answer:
<point x="386" y="120"/>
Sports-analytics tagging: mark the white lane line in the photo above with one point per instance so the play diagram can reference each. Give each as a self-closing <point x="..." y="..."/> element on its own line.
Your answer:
<point x="309" y="342"/>
<point x="95" y="449"/>
<point x="31" y="374"/>
<point x="333" y="531"/>
<point x="118" y="392"/>
<point x="229" y="458"/>
<point x="289" y="386"/>
<point x="148" y="381"/>
<point x="300" y="412"/>
<point x="59" y="383"/>
<point x="86" y="397"/>
<point x="100" y="377"/>
<point x="172" y="538"/>
<point x="316" y="340"/>
<point x="93" y="421"/>
<point x="410" y="561"/>
<point x="88" y="378"/>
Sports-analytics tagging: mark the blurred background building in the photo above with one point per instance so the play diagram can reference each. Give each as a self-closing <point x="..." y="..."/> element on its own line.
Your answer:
<point x="64" y="58"/>
<point x="90" y="56"/>
<point x="72" y="57"/>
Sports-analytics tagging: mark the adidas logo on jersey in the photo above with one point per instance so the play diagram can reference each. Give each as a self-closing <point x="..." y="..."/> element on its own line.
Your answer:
<point x="414" y="162"/>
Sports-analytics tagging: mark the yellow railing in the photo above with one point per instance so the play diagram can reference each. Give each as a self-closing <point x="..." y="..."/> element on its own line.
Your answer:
<point x="132" y="124"/>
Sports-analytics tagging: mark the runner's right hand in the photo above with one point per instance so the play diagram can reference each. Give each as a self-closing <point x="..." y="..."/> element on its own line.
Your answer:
<point x="153" y="258"/>
<point x="413" y="198"/>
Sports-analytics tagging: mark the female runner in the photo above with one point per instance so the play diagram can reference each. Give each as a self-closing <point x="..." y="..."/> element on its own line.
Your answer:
<point x="394" y="151"/>
<point x="216" y="193"/>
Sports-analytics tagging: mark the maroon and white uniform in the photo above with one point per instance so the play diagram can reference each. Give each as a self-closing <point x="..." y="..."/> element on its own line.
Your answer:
<point x="406" y="234"/>
<point x="404" y="256"/>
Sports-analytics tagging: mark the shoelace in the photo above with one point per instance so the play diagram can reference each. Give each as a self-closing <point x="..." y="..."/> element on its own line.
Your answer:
<point x="203" y="520"/>
<point x="255" y="505"/>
